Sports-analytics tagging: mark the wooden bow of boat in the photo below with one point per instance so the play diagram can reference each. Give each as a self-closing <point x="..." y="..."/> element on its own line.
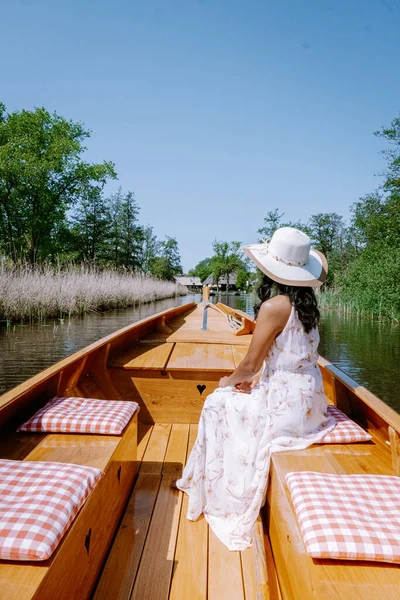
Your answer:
<point x="131" y="540"/>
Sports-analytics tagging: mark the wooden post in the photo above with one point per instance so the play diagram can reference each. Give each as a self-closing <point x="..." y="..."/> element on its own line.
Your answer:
<point x="206" y="293"/>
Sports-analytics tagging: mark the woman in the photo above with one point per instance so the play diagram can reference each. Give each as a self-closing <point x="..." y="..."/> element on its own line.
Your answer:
<point x="226" y="475"/>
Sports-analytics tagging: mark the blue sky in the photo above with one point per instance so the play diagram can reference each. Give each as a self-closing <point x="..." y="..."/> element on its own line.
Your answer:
<point x="215" y="111"/>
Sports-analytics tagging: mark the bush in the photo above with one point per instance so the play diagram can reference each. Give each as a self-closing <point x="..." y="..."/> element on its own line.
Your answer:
<point x="371" y="283"/>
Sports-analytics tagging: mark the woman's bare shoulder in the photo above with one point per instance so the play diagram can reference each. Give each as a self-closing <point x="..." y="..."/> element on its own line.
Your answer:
<point x="278" y="308"/>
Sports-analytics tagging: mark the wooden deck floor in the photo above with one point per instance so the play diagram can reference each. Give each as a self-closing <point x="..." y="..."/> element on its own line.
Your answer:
<point x="157" y="553"/>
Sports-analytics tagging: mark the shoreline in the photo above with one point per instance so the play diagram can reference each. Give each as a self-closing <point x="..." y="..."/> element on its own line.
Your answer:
<point x="31" y="294"/>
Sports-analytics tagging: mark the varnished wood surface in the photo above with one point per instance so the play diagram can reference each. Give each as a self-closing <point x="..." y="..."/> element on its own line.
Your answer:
<point x="330" y="579"/>
<point x="201" y="357"/>
<point x="157" y="553"/>
<point x="155" y="518"/>
<point x="72" y="570"/>
<point x="147" y="357"/>
<point x="22" y="401"/>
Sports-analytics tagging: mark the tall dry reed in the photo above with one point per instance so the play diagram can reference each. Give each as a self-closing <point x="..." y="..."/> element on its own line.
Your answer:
<point x="37" y="293"/>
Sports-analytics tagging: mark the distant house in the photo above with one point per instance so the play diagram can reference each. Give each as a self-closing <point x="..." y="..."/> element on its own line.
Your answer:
<point x="222" y="282"/>
<point x="190" y="282"/>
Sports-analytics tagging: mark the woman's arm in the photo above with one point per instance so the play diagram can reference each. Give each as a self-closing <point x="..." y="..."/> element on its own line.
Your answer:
<point x="271" y="320"/>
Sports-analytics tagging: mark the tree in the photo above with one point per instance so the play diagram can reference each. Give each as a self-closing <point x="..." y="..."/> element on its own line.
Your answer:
<point x="126" y="235"/>
<point x="203" y="269"/>
<point x="273" y="221"/>
<point x="226" y="260"/>
<point x="169" y="263"/>
<point x="325" y="231"/>
<point x="376" y="218"/>
<point x="392" y="155"/>
<point x="91" y="228"/>
<point x="42" y="174"/>
<point x="149" y="249"/>
<point x="219" y="260"/>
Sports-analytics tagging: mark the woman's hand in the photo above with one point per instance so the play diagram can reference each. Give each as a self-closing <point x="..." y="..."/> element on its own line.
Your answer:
<point x="245" y="387"/>
<point x="224" y="382"/>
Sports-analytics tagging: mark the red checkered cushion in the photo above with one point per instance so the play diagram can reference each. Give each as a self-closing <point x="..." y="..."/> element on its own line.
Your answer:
<point x="38" y="502"/>
<point x="82" y="415"/>
<point x="346" y="431"/>
<point x="350" y="517"/>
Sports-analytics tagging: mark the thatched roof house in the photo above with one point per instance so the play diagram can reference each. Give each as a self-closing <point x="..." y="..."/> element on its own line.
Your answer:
<point x="222" y="282"/>
<point x="188" y="281"/>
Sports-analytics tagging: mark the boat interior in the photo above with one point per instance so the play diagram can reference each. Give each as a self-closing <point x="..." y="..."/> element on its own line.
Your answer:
<point x="131" y="540"/>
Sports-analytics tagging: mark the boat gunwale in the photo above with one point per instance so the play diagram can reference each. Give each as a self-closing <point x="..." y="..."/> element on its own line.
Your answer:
<point x="26" y="386"/>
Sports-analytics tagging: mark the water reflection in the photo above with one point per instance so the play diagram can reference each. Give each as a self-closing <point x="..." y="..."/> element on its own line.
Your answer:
<point x="368" y="351"/>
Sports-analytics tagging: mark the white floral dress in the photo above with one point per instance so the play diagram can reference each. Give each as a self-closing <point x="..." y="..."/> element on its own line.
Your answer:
<point x="226" y="476"/>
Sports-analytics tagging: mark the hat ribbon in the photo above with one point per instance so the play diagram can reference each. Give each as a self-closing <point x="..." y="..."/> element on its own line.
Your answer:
<point x="292" y="263"/>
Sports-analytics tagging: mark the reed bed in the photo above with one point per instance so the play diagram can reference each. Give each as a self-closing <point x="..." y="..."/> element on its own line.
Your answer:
<point x="335" y="299"/>
<point x="36" y="293"/>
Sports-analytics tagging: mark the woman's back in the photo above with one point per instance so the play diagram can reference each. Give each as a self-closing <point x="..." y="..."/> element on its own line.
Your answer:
<point x="293" y="349"/>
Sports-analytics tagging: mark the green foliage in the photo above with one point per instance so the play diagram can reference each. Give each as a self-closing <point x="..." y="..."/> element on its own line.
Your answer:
<point x="91" y="228"/>
<point x="392" y="155"/>
<point x="126" y="235"/>
<point x="273" y="221"/>
<point x="203" y="269"/>
<point x="52" y="206"/>
<point x="149" y="249"/>
<point x="371" y="284"/>
<point x="376" y="218"/>
<point x="228" y="259"/>
<point x="42" y="174"/>
<point x="168" y="263"/>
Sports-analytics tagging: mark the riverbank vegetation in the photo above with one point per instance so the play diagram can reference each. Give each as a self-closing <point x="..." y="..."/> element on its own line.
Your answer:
<point x="65" y="246"/>
<point x="40" y="292"/>
<point x="363" y="254"/>
<point x="53" y="207"/>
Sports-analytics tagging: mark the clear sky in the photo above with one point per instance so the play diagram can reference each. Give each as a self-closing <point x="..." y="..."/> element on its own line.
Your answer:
<point x="215" y="111"/>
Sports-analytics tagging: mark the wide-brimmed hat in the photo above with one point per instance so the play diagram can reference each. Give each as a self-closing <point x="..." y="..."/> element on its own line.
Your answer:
<point x="288" y="258"/>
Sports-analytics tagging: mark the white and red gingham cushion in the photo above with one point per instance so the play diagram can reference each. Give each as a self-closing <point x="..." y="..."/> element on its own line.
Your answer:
<point x="348" y="517"/>
<point x="38" y="502"/>
<point x="82" y="415"/>
<point x="346" y="431"/>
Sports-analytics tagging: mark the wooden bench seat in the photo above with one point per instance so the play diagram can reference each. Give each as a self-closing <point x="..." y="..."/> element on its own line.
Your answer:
<point x="72" y="570"/>
<point x="301" y="576"/>
<point x="157" y="554"/>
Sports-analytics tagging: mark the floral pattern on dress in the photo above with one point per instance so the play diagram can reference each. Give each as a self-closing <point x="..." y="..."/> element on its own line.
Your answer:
<point x="226" y="475"/>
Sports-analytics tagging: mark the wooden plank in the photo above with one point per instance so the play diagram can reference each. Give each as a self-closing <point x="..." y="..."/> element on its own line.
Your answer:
<point x="34" y="392"/>
<point x="224" y="571"/>
<point x="153" y="457"/>
<point x="175" y="456"/>
<point x="198" y="336"/>
<point x="72" y="570"/>
<point x="194" y="428"/>
<point x="118" y="576"/>
<point x="144" y="356"/>
<point x="144" y="434"/>
<point x="177" y="397"/>
<point x="315" y="579"/>
<point x="203" y="357"/>
<point x="238" y="352"/>
<point x="89" y="450"/>
<point x="273" y="581"/>
<point x="155" y="570"/>
<point x="254" y="566"/>
<point x="189" y="579"/>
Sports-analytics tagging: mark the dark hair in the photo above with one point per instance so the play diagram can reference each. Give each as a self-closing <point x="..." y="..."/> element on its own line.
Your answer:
<point x="302" y="298"/>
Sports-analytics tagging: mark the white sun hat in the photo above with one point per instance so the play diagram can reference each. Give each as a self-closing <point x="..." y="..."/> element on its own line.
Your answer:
<point x="288" y="258"/>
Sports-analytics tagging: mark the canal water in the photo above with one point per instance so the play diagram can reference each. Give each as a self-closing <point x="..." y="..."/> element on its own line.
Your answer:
<point x="369" y="351"/>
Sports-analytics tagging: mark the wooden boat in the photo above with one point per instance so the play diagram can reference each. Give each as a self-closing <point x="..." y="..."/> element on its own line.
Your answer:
<point x="131" y="540"/>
